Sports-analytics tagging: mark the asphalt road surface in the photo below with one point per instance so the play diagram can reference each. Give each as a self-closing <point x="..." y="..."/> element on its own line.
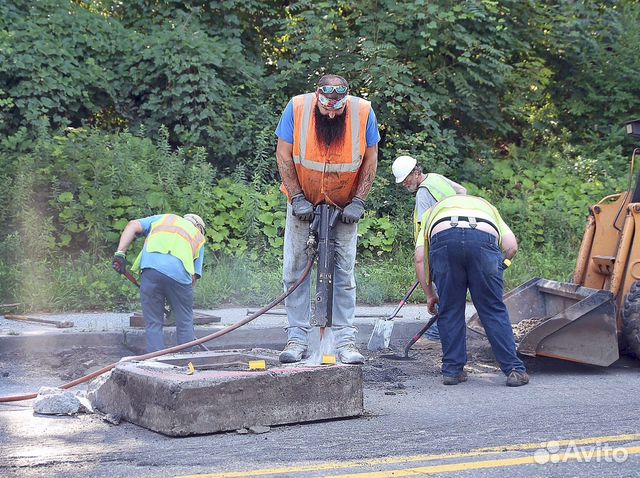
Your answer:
<point x="571" y="420"/>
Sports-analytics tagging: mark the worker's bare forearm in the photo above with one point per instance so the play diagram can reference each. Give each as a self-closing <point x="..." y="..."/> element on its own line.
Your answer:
<point x="421" y="271"/>
<point x="289" y="176"/>
<point x="131" y="231"/>
<point x="509" y="245"/>
<point x="368" y="172"/>
<point x="510" y="252"/>
<point x="459" y="188"/>
<point x="284" y="159"/>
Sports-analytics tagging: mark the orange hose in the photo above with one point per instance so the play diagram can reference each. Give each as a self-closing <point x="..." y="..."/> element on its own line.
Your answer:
<point x="177" y="348"/>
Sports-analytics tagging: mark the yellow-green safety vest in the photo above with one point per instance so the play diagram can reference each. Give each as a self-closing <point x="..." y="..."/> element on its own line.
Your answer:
<point x="439" y="188"/>
<point x="176" y="236"/>
<point x="461" y="205"/>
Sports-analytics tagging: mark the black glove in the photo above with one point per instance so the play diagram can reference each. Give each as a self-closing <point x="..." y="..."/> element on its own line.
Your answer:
<point x="353" y="211"/>
<point x="302" y="209"/>
<point x="119" y="262"/>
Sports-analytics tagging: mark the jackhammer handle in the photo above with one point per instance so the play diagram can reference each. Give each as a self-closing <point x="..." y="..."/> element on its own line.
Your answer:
<point x="403" y="301"/>
<point x="419" y="334"/>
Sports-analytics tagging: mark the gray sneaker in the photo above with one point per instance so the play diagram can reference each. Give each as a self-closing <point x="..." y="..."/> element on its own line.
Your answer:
<point x="292" y="353"/>
<point x="349" y="354"/>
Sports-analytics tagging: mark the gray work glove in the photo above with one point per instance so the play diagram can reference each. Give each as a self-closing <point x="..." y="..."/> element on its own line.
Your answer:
<point x="353" y="211"/>
<point x="302" y="209"/>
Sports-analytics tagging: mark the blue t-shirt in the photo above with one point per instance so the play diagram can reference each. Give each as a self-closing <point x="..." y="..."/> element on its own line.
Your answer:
<point x="166" y="263"/>
<point x="284" y="131"/>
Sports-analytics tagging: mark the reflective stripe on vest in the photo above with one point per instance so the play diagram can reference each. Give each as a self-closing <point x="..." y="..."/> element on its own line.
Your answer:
<point x="439" y="188"/>
<point x="168" y="225"/>
<point x="162" y="239"/>
<point x="356" y="156"/>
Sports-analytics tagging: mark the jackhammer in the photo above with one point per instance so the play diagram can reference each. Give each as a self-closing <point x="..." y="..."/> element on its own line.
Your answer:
<point x="322" y="232"/>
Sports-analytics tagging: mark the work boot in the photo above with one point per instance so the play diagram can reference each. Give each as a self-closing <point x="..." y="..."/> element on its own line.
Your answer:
<point x="349" y="354"/>
<point x="292" y="353"/>
<point x="454" y="379"/>
<point x="517" y="378"/>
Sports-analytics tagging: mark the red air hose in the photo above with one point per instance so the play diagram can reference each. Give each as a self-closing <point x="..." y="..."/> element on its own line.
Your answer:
<point x="177" y="348"/>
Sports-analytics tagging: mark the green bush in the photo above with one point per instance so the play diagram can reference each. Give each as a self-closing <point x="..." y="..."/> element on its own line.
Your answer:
<point x="170" y="106"/>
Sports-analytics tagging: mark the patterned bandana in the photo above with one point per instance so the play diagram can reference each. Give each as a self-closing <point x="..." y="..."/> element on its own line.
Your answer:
<point x="331" y="104"/>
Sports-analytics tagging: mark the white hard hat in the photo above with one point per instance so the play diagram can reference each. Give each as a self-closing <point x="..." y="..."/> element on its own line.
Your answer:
<point x="195" y="220"/>
<point x="402" y="166"/>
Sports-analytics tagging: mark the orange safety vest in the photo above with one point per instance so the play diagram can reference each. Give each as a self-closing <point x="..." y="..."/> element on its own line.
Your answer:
<point x="329" y="175"/>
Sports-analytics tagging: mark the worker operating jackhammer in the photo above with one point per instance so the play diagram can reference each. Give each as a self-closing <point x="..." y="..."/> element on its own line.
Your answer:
<point x="327" y="153"/>
<point x="429" y="188"/>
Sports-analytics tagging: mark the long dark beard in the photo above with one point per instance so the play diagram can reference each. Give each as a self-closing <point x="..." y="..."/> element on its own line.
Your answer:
<point x="329" y="130"/>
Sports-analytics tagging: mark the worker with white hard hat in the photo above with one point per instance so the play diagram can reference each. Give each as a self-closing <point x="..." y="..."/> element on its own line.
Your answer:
<point x="429" y="188"/>
<point x="170" y="263"/>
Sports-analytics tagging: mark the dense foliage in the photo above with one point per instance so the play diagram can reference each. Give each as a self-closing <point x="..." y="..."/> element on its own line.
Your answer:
<point x="112" y="110"/>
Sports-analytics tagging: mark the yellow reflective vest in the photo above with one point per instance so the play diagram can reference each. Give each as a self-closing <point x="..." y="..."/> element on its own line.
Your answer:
<point x="459" y="205"/>
<point x="439" y="188"/>
<point x="176" y="236"/>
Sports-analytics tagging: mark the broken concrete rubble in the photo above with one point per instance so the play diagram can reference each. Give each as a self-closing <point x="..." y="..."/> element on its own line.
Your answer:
<point x="55" y="401"/>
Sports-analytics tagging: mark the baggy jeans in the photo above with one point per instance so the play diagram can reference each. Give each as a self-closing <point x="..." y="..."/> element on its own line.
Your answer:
<point x="462" y="259"/>
<point x="298" y="304"/>
<point x="154" y="288"/>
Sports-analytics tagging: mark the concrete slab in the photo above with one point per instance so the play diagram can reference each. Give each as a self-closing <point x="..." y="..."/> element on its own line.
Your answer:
<point x="223" y="395"/>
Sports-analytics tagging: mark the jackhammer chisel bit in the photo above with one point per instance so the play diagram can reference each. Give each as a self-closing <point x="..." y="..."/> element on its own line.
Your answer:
<point x="324" y="221"/>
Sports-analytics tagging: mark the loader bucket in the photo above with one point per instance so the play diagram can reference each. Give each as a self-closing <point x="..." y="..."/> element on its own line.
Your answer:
<point x="563" y="321"/>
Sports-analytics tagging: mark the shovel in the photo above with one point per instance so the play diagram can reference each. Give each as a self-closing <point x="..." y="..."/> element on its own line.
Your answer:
<point x="414" y="339"/>
<point x="381" y="335"/>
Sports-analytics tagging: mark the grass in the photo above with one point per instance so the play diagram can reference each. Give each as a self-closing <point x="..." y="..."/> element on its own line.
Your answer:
<point x="86" y="283"/>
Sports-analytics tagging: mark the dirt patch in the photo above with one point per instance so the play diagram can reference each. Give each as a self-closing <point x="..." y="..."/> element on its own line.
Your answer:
<point x="63" y="365"/>
<point x="387" y="368"/>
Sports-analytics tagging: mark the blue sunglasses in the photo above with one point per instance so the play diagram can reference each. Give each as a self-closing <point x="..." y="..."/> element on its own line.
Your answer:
<point x="328" y="89"/>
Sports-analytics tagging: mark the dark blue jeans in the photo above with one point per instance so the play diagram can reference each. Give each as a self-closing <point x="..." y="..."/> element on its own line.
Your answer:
<point x="154" y="288"/>
<point x="461" y="259"/>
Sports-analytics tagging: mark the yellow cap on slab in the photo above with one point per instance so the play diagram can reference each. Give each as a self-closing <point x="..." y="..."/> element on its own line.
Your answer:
<point x="257" y="365"/>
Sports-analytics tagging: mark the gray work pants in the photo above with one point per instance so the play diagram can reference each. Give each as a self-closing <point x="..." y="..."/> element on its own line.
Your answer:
<point x="298" y="304"/>
<point x="154" y="288"/>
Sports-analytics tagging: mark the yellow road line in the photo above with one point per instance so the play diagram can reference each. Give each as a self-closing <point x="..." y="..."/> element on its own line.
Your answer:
<point x="477" y="465"/>
<point x="413" y="458"/>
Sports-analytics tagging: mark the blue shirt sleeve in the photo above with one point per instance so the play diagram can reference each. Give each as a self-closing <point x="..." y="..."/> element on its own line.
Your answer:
<point x="197" y="264"/>
<point x="146" y="223"/>
<point x="373" y="134"/>
<point x="284" y="131"/>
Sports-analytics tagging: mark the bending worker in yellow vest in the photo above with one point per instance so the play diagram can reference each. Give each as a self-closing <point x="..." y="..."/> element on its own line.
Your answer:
<point x="462" y="237"/>
<point x="429" y="188"/>
<point x="171" y="263"/>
